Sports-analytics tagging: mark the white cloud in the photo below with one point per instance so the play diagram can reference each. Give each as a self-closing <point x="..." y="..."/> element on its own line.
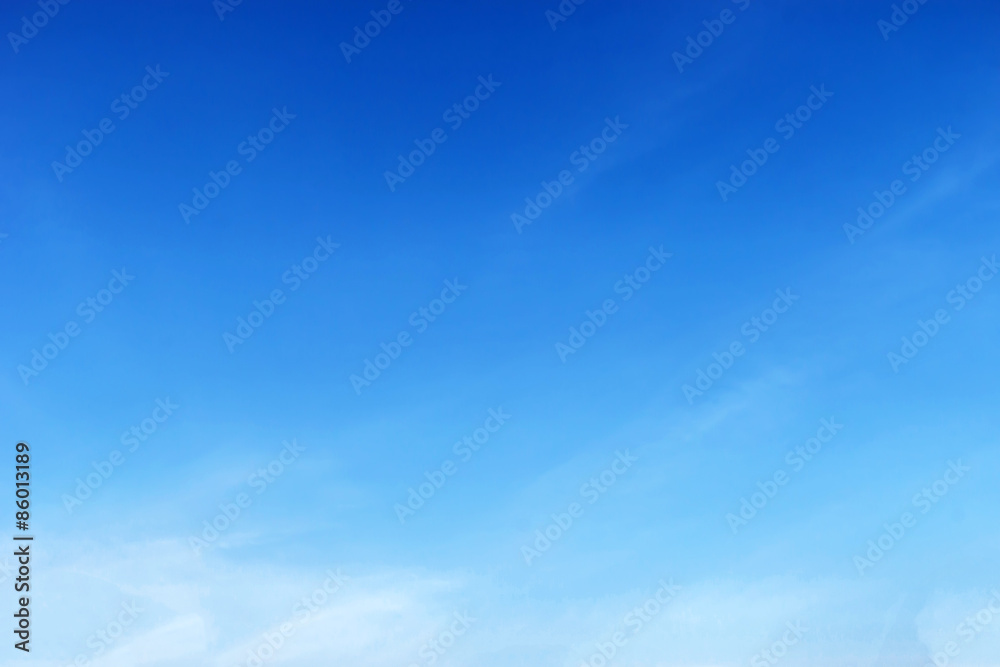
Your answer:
<point x="213" y="611"/>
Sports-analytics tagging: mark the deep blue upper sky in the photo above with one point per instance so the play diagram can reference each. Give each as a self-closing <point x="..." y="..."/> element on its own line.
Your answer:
<point x="609" y="65"/>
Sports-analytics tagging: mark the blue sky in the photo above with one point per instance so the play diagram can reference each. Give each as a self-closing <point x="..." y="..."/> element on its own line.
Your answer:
<point x="641" y="145"/>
